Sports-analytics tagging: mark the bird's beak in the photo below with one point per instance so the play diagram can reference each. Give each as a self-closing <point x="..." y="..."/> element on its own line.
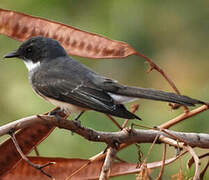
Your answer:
<point x="12" y="55"/>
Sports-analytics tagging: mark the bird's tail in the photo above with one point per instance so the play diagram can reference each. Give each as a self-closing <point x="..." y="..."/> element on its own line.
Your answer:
<point x="158" y="95"/>
<point x="121" y="111"/>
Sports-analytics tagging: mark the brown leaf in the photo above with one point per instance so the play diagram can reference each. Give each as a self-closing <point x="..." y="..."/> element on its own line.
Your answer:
<point x="62" y="169"/>
<point x="77" y="42"/>
<point x="65" y="167"/>
<point x="27" y="138"/>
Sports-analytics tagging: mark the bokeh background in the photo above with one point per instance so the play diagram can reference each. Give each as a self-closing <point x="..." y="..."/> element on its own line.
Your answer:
<point x="175" y="34"/>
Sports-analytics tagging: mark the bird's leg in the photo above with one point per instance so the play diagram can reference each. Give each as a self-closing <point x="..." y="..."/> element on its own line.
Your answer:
<point x="79" y="115"/>
<point x="77" y="118"/>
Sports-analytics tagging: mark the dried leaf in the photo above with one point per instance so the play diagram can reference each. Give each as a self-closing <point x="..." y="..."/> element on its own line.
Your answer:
<point x="62" y="169"/>
<point x="65" y="167"/>
<point x="27" y="138"/>
<point x="77" y="42"/>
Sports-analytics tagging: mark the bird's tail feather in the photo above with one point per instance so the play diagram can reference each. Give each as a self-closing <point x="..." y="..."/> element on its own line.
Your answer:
<point x="121" y="111"/>
<point x="158" y="95"/>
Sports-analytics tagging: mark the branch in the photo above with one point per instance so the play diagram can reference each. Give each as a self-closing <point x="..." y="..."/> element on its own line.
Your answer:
<point x="109" y="160"/>
<point x="125" y="136"/>
<point x="163" y="164"/>
<point x="197" y="162"/>
<point x="157" y="68"/>
<point x="184" y="116"/>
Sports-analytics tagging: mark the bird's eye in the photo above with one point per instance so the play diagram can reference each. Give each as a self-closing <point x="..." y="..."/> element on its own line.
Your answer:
<point x="29" y="50"/>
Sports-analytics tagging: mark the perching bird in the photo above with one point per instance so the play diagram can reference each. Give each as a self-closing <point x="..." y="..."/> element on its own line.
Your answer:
<point x="73" y="87"/>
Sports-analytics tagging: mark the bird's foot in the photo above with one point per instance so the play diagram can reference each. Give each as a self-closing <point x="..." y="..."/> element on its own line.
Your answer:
<point x="57" y="113"/>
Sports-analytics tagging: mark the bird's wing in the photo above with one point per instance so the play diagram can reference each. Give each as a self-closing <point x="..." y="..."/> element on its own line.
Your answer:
<point x="76" y="93"/>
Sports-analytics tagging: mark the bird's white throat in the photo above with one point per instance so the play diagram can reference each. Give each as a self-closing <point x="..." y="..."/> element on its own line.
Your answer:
<point x="31" y="65"/>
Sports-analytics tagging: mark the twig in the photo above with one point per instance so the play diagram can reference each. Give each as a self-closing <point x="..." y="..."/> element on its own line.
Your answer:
<point x="114" y="121"/>
<point x="163" y="164"/>
<point x="36" y="151"/>
<point x="110" y="156"/>
<point x="78" y="170"/>
<point x="150" y="150"/>
<point x="36" y="166"/>
<point x="204" y="170"/>
<point x="173" y="136"/>
<point x="181" y="173"/>
<point x="184" y="116"/>
<point x="140" y="155"/>
<point x="157" y="68"/>
<point x="197" y="162"/>
<point x="171" y="142"/>
<point x="191" y="161"/>
<point x="144" y="170"/>
<point x="189" y="149"/>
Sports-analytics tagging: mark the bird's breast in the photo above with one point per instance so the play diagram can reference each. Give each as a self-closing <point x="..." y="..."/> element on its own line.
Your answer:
<point x="66" y="107"/>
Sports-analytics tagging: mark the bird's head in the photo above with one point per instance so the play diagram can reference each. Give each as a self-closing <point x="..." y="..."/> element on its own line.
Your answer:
<point x="37" y="49"/>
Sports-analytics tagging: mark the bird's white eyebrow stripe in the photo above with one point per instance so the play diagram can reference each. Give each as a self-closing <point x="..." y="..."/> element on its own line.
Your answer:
<point x="31" y="65"/>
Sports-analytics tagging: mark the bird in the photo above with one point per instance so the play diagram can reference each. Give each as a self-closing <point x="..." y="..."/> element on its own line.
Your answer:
<point x="75" y="88"/>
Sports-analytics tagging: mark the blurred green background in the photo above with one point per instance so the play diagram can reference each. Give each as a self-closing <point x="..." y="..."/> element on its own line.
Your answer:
<point x="173" y="33"/>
